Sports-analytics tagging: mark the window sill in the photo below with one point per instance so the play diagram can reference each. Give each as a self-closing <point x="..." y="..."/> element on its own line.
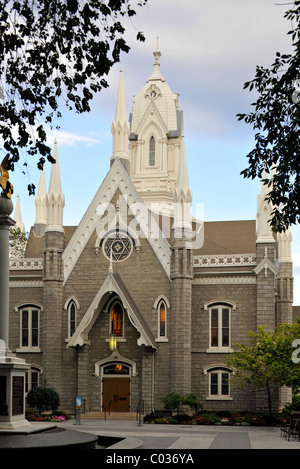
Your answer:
<point x="219" y="350"/>
<point x="161" y="339"/>
<point x="219" y="398"/>
<point x="28" y="350"/>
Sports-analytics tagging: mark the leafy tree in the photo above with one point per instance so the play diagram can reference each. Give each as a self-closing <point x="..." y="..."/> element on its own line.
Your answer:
<point x="276" y="121"/>
<point x="270" y="359"/>
<point x="54" y="52"/>
<point x="43" y="398"/>
<point x="17" y="242"/>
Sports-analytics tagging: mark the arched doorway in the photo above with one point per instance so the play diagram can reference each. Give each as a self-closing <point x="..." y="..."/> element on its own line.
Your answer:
<point x="116" y="387"/>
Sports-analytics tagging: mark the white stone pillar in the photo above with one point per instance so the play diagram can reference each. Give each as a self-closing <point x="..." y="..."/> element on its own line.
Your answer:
<point x="6" y="222"/>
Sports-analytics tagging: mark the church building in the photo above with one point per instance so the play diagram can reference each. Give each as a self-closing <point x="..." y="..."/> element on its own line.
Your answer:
<point x="141" y="298"/>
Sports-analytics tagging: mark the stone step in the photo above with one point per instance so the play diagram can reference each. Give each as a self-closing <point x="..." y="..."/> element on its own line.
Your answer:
<point x="110" y="416"/>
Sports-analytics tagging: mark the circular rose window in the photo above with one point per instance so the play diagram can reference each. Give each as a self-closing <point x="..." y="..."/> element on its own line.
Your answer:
<point x="117" y="246"/>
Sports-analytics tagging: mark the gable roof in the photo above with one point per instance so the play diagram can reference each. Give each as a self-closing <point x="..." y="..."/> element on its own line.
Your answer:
<point x="116" y="179"/>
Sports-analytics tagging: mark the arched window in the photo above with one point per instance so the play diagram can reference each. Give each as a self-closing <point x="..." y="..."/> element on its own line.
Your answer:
<point x="29" y="327"/>
<point x="72" y="318"/>
<point x="117" y="319"/>
<point x="32" y="378"/>
<point x="152" y="151"/>
<point x="219" y="385"/>
<point x="162" y="319"/>
<point x="220" y="327"/>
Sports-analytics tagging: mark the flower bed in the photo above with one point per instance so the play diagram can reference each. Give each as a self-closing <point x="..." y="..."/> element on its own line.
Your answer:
<point x="209" y="418"/>
<point x="33" y="416"/>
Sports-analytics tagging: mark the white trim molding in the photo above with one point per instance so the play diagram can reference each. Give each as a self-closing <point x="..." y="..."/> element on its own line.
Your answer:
<point x="225" y="260"/>
<point x="115" y="356"/>
<point x="24" y="263"/>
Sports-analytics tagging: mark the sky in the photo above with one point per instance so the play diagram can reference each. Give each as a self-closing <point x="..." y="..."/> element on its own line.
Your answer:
<point x="209" y="50"/>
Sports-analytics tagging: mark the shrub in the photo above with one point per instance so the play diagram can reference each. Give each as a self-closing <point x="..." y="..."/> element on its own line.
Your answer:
<point x="43" y="399"/>
<point x="175" y="400"/>
<point x="149" y="417"/>
<point x="212" y="419"/>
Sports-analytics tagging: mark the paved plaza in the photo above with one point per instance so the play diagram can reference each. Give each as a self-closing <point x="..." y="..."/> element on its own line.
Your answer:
<point x="182" y="437"/>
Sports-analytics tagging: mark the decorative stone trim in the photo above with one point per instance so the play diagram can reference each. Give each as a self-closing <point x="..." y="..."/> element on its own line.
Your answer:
<point x="236" y="260"/>
<point x="238" y="280"/>
<point x="26" y="283"/>
<point x="25" y="264"/>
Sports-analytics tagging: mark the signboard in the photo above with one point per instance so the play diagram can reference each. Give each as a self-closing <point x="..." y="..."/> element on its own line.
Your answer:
<point x="78" y="403"/>
<point x="17" y="395"/>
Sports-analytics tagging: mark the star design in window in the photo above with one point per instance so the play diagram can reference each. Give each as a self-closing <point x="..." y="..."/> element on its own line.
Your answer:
<point x="118" y="246"/>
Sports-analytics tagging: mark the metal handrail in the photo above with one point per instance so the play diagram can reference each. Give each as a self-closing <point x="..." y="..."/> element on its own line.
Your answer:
<point x="139" y="412"/>
<point x="108" y="409"/>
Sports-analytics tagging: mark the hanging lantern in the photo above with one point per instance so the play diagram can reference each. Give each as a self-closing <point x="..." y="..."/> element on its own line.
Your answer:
<point x="113" y="342"/>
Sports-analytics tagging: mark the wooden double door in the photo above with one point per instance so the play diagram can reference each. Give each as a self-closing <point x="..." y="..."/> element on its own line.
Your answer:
<point x="116" y="394"/>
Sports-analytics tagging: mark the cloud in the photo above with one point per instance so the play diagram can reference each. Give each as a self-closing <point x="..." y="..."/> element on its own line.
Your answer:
<point x="71" y="139"/>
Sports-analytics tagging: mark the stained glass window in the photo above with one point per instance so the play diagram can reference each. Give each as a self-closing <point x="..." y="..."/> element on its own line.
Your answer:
<point x="117" y="320"/>
<point x="117" y="246"/>
<point x="162" y="319"/>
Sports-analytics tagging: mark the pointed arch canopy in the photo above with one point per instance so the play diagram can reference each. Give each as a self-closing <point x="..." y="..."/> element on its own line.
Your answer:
<point x="112" y="284"/>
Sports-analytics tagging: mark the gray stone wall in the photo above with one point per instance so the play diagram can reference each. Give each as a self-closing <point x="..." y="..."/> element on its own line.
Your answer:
<point x="146" y="280"/>
<point x="243" y="319"/>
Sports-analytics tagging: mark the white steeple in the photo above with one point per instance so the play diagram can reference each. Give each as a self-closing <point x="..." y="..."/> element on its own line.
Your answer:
<point x="264" y="232"/>
<point x="41" y="209"/>
<point x="155" y="134"/>
<point x="18" y="216"/>
<point x="55" y="200"/>
<point x="120" y="127"/>
<point x="182" y="193"/>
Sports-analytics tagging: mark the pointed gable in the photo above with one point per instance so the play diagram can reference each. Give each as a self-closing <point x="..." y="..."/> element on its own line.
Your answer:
<point x="116" y="179"/>
<point x="113" y="284"/>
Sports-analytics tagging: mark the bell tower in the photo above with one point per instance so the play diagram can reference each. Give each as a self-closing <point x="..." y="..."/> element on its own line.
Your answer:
<point x="181" y="278"/>
<point x="154" y="139"/>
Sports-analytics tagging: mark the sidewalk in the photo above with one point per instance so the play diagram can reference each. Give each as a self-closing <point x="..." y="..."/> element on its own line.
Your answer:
<point x="153" y="436"/>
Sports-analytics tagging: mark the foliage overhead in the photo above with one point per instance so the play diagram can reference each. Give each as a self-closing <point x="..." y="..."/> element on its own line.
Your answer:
<point x="54" y="52"/>
<point x="276" y="121"/>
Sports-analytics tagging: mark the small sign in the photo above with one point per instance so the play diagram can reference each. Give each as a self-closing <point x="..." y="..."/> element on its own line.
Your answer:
<point x="78" y="402"/>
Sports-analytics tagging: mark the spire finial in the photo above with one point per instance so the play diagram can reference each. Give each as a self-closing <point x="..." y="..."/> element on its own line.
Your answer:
<point x="157" y="53"/>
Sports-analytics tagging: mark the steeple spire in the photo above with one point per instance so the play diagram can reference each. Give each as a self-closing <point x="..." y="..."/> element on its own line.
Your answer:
<point x="55" y="200"/>
<point x="182" y="194"/>
<point x="156" y="74"/>
<point x="264" y="232"/>
<point x="18" y="216"/>
<point x="41" y="209"/>
<point x="120" y="128"/>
